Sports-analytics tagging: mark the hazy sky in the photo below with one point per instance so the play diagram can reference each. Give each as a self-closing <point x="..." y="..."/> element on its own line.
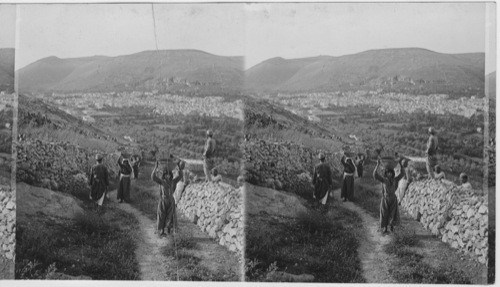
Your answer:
<point x="7" y="26"/>
<point x="76" y="30"/>
<point x="302" y="30"/>
<point x="257" y="31"/>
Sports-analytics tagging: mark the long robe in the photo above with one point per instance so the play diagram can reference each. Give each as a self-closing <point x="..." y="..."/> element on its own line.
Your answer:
<point x="322" y="181"/>
<point x="166" y="211"/>
<point x="124" y="185"/>
<point x="347" y="190"/>
<point x="389" y="212"/>
<point x="360" y="167"/>
<point x="99" y="182"/>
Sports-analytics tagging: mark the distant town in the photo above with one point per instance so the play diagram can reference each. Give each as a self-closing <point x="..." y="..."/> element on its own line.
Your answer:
<point x="85" y="105"/>
<point x="311" y="105"/>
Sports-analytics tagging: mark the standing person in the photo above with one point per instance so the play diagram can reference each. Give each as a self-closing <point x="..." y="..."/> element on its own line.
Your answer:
<point x="99" y="181"/>
<point x="359" y="164"/>
<point x="389" y="213"/>
<point x="432" y="146"/>
<point x="180" y="181"/>
<point x="165" y="212"/>
<point x="125" y="174"/>
<point x="208" y="155"/>
<point x="322" y="180"/>
<point x="136" y="162"/>
<point x="347" y="192"/>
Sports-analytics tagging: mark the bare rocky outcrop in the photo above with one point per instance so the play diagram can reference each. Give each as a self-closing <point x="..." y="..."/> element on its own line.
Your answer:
<point x="217" y="209"/>
<point x="458" y="217"/>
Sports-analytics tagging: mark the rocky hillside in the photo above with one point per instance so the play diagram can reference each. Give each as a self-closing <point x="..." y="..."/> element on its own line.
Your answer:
<point x="264" y="117"/>
<point x="38" y="120"/>
<point x="57" y="166"/>
<point x="7" y="224"/>
<point x="146" y="70"/>
<point x="458" y="218"/>
<point x="284" y="166"/>
<point x="7" y="60"/>
<point x="409" y="69"/>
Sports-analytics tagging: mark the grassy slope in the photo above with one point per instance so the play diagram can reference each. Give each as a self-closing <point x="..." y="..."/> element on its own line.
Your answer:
<point x="95" y="245"/>
<point x="323" y="245"/>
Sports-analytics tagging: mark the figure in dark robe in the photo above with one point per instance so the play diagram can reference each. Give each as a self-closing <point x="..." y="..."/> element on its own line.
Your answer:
<point x="123" y="193"/>
<point x="136" y="162"/>
<point x="389" y="212"/>
<point x="322" y="180"/>
<point x="165" y="212"/>
<point x="359" y="164"/>
<point x="99" y="181"/>
<point x="347" y="191"/>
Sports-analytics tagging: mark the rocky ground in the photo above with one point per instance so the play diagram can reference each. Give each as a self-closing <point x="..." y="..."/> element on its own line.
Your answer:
<point x="7" y="232"/>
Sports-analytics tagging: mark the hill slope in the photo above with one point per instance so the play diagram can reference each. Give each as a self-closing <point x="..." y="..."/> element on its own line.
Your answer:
<point x="492" y="84"/>
<point x="144" y="70"/>
<point x="7" y="60"/>
<point x="410" y="68"/>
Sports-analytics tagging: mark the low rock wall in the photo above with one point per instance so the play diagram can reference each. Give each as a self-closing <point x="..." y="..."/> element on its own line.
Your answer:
<point x="458" y="217"/>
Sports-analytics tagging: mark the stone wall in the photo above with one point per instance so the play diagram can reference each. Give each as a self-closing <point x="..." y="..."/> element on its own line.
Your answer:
<point x="217" y="209"/>
<point x="58" y="166"/>
<point x="284" y="166"/>
<point x="458" y="217"/>
<point x="7" y="223"/>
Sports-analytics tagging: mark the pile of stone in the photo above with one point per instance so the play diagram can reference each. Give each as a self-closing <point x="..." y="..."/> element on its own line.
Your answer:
<point x="284" y="166"/>
<point x="217" y="209"/>
<point x="458" y="217"/>
<point x="7" y="223"/>
<point x="57" y="166"/>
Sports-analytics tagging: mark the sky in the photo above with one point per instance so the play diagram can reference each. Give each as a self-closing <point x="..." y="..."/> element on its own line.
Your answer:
<point x="257" y="31"/>
<point x="78" y="30"/>
<point x="335" y="29"/>
<point x="7" y="26"/>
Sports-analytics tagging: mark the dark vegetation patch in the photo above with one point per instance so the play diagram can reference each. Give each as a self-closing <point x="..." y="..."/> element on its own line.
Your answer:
<point x="410" y="268"/>
<point x="87" y="245"/>
<point x="315" y="243"/>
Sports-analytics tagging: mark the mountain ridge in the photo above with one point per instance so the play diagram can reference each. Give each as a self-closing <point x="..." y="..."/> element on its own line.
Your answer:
<point x="144" y="70"/>
<point x="412" y="69"/>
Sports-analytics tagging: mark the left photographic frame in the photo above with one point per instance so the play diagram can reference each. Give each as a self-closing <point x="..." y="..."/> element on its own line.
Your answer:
<point x="7" y="124"/>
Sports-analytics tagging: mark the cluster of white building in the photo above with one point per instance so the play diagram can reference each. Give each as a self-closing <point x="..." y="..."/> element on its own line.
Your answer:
<point x="163" y="104"/>
<point x="386" y="102"/>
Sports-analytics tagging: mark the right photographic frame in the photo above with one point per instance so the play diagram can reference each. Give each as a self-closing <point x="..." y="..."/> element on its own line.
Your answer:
<point x="369" y="148"/>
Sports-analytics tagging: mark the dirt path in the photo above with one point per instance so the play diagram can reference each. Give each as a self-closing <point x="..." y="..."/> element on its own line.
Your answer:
<point x="155" y="258"/>
<point x="152" y="262"/>
<point x="375" y="262"/>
